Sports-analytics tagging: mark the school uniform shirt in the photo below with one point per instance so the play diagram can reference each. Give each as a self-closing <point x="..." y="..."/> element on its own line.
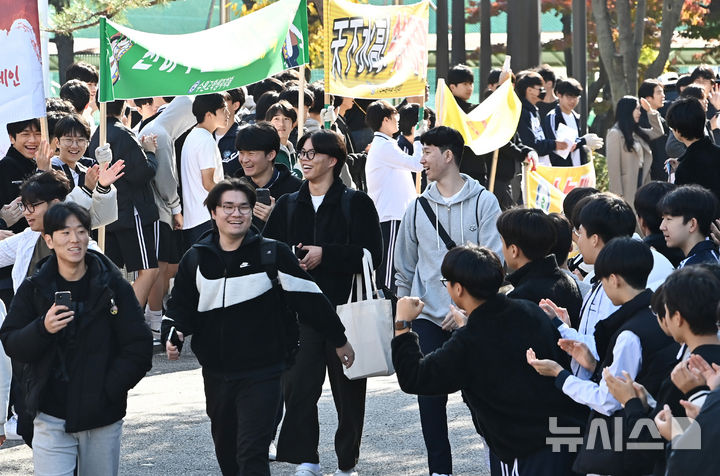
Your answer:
<point x="199" y="152"/>
<point x="389" y="180"/>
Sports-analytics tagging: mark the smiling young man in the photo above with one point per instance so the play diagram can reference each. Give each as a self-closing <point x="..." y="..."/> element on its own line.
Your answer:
<point x="466" y="212"/>
<point x="81" y="359"/>
<point x="240" y="309"/>
<point x="257" y="145"/>
<point x="283" y="118"/>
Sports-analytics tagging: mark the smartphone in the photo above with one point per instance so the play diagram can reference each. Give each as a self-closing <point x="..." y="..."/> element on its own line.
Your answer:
<point x="299" y="252"/>
<point x="63" y="298"/>
<point x="263" y="195"/>
<point x="174" y="339"/>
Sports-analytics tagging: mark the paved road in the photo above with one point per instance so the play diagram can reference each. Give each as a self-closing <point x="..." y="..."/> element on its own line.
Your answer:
<point x="166" y="431"/>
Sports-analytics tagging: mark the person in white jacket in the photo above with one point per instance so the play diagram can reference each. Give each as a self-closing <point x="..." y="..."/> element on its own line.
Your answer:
<point x="389" y="180"/>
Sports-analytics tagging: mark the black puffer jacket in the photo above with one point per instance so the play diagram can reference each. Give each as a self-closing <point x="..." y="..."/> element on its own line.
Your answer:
<point x="114" y="351"/>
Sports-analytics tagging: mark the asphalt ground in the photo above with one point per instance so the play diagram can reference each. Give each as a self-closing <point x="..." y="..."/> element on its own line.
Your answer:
<point x="166" y="430"/>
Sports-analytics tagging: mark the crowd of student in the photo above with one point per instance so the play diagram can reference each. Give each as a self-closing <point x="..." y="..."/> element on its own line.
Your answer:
<point x="255" y="230"/>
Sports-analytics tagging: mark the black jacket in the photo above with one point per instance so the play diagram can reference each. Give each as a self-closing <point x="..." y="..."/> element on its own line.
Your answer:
<point x="510" y="402"/>
<point x="342" y="243"/>
<point x="657" y="241"/>
<point x="227" y="303"/>
<point x="703" y="252"/>
<point x="229" y="153"/>
<point x="700" y="164"/>
<point x="114" y="351"/>
<point x="14" y="167"/>
<point x="133" y="189"/>
<point x="543" y="279"/>
<point x="281" y="183"/>
<point x="703" y="462"/>
<point x="530" y="130"/>
<point x="550" y="123"/>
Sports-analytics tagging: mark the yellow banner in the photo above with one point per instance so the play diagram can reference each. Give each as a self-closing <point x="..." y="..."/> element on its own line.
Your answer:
<point x="375" y="51"/>
<point x="545" y="188"/>
<point x="489" y="126"/>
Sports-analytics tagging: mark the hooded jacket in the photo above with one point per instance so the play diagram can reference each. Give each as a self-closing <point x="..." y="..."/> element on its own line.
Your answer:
<point x="174" y="120"/>
<point x="114" y="351"/>
<point x="419" y="250"/>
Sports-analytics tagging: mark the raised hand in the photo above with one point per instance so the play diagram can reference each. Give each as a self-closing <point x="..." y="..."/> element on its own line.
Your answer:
<point x="546" y="367"/>
<point x="580" y="352"/>
<point x="109" y="174"/>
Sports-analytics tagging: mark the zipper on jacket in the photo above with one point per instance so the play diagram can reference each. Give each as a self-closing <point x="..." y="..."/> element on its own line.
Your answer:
<point x="222" y="319"/>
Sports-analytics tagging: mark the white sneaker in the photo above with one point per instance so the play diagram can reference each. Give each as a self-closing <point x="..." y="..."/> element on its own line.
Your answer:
<point x="11" y="429"/>
<point x="349" y="472"/>
<point x="302" y="470"/>
<point x="438" y="474"/>
<point x="272" y="451"/>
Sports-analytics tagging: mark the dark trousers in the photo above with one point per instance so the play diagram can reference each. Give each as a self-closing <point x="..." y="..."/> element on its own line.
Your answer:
<point x="385" y="274"/>
<point x="302" y="387"/>
<point x="242" y="412"/>
<point x="542" y="463"/>
<point x="433" y="414"/>
<point x="192" y="235"/>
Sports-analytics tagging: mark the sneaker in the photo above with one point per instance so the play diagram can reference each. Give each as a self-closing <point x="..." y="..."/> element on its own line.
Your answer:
<point x="303" y="470"/>
<point x="156" y="337"/>
<point x="272" y="451"/>
<point x="11" y="429"/>
<point x="349" y="472"/>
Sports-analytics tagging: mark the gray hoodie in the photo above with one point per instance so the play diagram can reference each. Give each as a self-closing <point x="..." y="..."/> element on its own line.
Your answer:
<point x="419" y="251"/>
<point x="174" y="120"/>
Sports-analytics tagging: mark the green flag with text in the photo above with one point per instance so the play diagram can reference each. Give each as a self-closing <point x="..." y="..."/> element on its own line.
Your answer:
<point x="136" y="64"/>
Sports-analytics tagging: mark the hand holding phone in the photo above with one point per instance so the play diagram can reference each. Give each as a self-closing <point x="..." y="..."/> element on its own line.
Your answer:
<point x="263" y="195"/>
<point x="59" y="315"/>
<point x="174" y="339"/>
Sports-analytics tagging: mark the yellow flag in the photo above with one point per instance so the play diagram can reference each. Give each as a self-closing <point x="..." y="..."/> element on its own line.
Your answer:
<point x="489" y="126"/>
<point x="546" y="187"/>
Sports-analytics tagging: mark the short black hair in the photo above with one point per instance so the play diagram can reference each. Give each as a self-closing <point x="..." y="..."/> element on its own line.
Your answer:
<point x="113" y="108"/>
<point x="45" y="187"/>
<point x="212" y="201"/>
<point x="573" y="198"/>
<point x="57" y="104"/>
<point x="318" y="102"/>
<point x="526" y="80"/>
<point x="459" y="74"/>
<point x="657" y="302"/>
<point x="327" y="142"/>
<point x="569" y="87"/>
<point x="445" y="138"/>
<point x="693" y="91"/>
<point x="476" y="268"/>
<point x="647" y="88"/>
<point x="694" y="293"/>
<point x="291" y="95"/>
<point x="56" y="217"/>
<point x="258" y="136"/>
<point x="53" y="117"/>
<point x="72" y="124"/>
<point x="607" y="216"/>
<point x="267" y="84"/>
<point x="82" y="71"/>
<point x="494" y="76"/>
<point x="529" y="229"/>
<point x="15" y="128"/>
<point x="263" y="103"/>
<point x="646" y="202"/>
<point x="691" y="201"/>
<point x="77" y="93"/>
<point x="683" y="82"/>
<point x="630" y="259"/>
<point x="408" y="117"/>
<point x="702" y="72"/>
<point x="376" y="112"/>
<point x="687" y="116"/>
<point x="282" y="107"/>
<point x="236" y="95"/>
<point x="547" y="73"/>
<point x="140" y="102"/>
<point x="205" y="103"/>
<point x="563" y="237"/>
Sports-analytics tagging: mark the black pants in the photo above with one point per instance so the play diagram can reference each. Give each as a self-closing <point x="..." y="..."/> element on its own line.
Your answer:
<point x="433" y="409"/>
<point x="542" y="463"/>
<point x="302" y="387"/>
<point x="242" y="413"/>
<point x="385" y="274"/>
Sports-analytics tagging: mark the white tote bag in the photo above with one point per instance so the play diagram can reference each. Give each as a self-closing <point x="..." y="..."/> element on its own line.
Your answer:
<point x="368" y="326"/>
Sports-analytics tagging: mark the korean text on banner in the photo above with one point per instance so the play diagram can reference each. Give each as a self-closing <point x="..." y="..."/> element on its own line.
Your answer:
<point x="545" y="188"/>
<point x="375" y="51"/>
<point x="137" y="64"/>
<point x="22" y="94"/>
<point x="489" y="126"/>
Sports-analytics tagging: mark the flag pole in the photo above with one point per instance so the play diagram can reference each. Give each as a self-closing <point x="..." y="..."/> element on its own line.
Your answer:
<point x="301" y="102"/>
<point x="493" y="171"/>
<point x="102" y="142"/>
<point x="421" y="116"/>
<point x="327" y="105"/>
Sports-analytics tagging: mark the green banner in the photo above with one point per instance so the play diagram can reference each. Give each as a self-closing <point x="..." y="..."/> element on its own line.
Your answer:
<point x="136" y="64"/>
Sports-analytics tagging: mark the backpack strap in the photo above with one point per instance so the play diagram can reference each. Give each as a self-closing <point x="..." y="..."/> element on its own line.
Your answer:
<point x="268" y="260"/>
<point x="477" y="208"/>
<point x="449" y="243"/>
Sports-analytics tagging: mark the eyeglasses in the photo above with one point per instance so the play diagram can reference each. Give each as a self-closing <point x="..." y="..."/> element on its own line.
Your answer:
<point x="444" y="281"/>
<point x="30" y="207"/>
<point x="577" y="232"/>
<point x="68" y="141"/>
<point x="310" y="154"/>
<point x="243" y="208"/>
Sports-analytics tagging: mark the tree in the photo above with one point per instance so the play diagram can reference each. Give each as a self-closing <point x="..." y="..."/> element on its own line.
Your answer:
<point x="73" y="15"/>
